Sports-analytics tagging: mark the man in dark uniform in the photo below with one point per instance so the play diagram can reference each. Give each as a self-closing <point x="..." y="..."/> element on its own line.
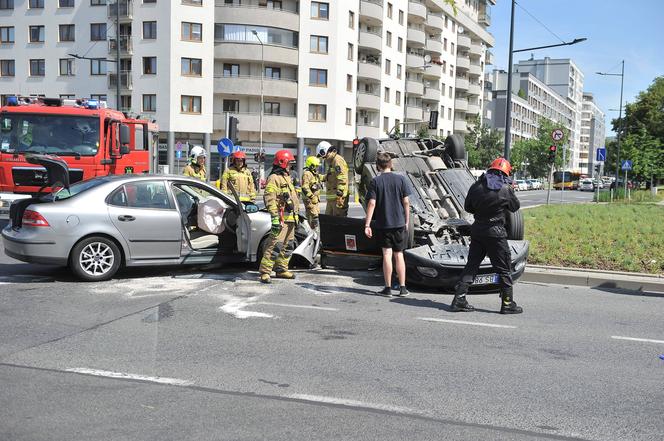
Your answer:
<point x="487" y="200"/>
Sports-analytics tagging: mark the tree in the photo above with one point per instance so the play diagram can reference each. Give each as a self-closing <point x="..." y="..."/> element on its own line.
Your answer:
<point x="535" y="152"/>
<point x="482" y="144"/>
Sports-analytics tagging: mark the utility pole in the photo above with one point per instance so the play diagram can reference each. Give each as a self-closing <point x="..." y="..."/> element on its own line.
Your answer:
<point x="508" y="110"/>
<point x="117" y="52"/>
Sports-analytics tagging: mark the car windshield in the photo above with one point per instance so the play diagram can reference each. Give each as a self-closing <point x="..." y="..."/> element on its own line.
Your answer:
<point x="74" y="189"/>
<point x="63" y="135"/>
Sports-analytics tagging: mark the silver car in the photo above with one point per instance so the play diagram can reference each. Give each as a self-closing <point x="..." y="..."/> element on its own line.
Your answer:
<point x="100" y="225"/>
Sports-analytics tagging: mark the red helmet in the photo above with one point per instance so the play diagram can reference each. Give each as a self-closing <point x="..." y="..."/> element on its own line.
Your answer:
<point x="501" y="164"/>
<point x="282" y="158"/>
<point x="238" y="155"/>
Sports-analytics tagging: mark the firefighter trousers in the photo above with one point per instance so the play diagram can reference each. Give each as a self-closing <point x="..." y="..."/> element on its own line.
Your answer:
<point x="278" y="251"/>
<point x="312" y="218"/>
<point x="332" y="209"/>
<point x="498" y="251"/>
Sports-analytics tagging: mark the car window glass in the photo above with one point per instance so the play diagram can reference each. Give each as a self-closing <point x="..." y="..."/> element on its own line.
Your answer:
<point x="119" y="197"/>
<point x="147" y="194"/>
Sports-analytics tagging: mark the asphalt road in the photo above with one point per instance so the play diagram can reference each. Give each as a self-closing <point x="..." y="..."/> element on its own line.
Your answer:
<point x="214" y="355"/>
<point x="538" y="197"/>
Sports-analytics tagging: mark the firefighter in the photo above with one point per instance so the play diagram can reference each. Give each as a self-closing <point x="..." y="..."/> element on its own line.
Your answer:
<point x="240" y="176"/>
<point x="283" y="205"/>
<point x="487" y="200"/>
<point x="336" y="181"/>
<point x="311" y="186"/>
<point x="196" y="166"/>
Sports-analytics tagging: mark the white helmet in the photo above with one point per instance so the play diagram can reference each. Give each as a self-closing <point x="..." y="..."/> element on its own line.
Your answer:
<point x="323" y="147"/>
<point x="196" y="152"/>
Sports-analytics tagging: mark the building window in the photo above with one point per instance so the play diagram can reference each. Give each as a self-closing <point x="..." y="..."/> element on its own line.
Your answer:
<point x="444" y="43"/>
<point x="190" y="104"/>
<point x="449" y="113"/>
<point x="149" y="103"/>
<point x="98" y="3"/>
<point x="99" y="97"/>
<point x="349" y="83"/>
<point x="272" y="108"/>
<point x="6" y="4"/>
<point x="451" y="71"/>
<point x="451" y="93"/>
<point x="66" y="67"/>
<point x="149" y="1"/>
<point x="350" y="52"/>
<point x="388" y="66"/>
<point x="149" y="65"/>
<point x="387" y="95"/>
<point x="125" y="102"/>
<point x="193" y="2"/>
<point x="192" y="31"/>
<point x="388" y="38"/>
<point x="397" y="123"/>
<point x="398" y="71"/>
<point x="231" y="106"/>
<point x="231" y="70"/>
<point x="400" y="44"/>
<point x="397" y="98"/>
<point x="7" y="68"/>
<point x="452" y="48"/>
<point x="351" y="19"/>
<point x="36" y="4"/>
<point x="67" y="32"/>
<point x="97" y="31"/>
<point x="318" y="44"/>
<point x="349" y="116"/>
<point x="273" y="72"/>
<point x="98" y="66"/>
<point x="400" y="17"/>
<point x="318" y="77"/>
<point x="37" y="68"/>
<point x="386" y="124"/>
<point x="317" y="112"/>
<point x="7" y="34"/>
<point x="149" y="30"/>
<point x="389" y="10"/>
<point x="320" y="10"/>
<point x="191" y="67"/>
<point x="65" y="3"/>
<point x="67" y="96"/>
<point x="36" y="34"/>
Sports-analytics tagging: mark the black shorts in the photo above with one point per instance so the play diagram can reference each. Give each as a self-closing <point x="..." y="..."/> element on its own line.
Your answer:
<point x="395" y="238"/>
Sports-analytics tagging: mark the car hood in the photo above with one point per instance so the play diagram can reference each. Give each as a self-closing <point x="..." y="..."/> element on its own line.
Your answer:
<point x="57" y="171"/>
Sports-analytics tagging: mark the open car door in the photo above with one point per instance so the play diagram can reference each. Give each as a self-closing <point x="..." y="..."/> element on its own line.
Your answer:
<point x="243" y="229"/>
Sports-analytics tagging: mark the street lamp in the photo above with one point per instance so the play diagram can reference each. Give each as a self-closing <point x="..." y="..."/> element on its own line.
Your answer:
<point x="622" y="79"/>
<point x="508" y="110"/>
<point x="262" y="103"/>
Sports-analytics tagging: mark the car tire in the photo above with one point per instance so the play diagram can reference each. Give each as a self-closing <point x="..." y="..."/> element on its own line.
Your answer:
<point x="261" y="250"/>
<point x="514" y="225"/>
<point x="411" y="232"/>
<point x="365" y="152"/>
<point x="95" y="259"/>
<point x="455" y="148"/>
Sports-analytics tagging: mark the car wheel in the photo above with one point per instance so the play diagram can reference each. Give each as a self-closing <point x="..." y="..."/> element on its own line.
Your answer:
<point x="365" y="151"/>
<point x="95" y="259"/>
<point x="455" y="148"/>
<point x="514" y="225"/>
<point x="261" y="250"/>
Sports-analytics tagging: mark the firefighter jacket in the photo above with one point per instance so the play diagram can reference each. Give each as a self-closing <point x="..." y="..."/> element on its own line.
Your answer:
<point x="241" y="180"/>
<point x="337" y="175"/>
<point x="311" y="186"/>
<point x="281" y="197"/>
<point x="195" y="171"/>
<point x="487" y="200"/>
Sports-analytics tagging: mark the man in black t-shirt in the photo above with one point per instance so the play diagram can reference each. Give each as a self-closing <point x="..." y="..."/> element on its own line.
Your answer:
<point x="387" y="202"/>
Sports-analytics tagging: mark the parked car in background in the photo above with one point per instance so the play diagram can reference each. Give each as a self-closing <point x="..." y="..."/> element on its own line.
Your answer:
<point x="535" y="184"/>
<point x="586" y="185"/>
<point x="598" y="183"/>
<point x="521" y="185"/>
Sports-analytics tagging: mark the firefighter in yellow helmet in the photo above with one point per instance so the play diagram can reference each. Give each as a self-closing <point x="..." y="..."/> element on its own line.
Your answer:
<point x="311" y="187"/>
<point x="336" y="181"/>
<point x="196" y="166"/>
<point x="283" y="205"/>
<point x="240" y="176"/>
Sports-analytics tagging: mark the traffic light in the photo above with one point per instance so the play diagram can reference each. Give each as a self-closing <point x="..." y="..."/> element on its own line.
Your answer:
<point x="552" y="153"/>
<point x="232" y="129"/>
<point x="598" y="167"/>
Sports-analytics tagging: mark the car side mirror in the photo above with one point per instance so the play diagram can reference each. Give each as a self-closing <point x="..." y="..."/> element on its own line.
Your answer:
<point x="125" y="135"/>
<point x="124" y="149"/>
<point x="251" y="208"/>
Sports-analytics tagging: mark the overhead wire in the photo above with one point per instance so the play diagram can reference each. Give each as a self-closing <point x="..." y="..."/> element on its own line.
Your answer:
<point x="538" y="21"/>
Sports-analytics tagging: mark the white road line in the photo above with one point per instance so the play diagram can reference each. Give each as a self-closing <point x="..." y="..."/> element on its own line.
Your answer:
<point x="645" y="340"/>
<point x="462" y="322"/>
<point x="286" y="305"/>
<point x="351" y="403"/>
<point x="126" y="376"/>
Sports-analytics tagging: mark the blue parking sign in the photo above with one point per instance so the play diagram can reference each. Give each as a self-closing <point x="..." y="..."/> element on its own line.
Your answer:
<point x="627" y="164"/>
<point x="601" y="154"/>
<point x="225" y="147"/>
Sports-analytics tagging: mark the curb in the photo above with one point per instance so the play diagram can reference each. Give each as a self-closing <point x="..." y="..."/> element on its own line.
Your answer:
<point x="652" y="283"/>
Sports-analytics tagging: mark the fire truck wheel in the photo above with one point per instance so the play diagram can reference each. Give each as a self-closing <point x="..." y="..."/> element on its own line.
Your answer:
<point x="95" y="258"/>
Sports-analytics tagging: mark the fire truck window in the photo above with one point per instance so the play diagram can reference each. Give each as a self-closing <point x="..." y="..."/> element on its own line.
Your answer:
<point x="139" y="143"/>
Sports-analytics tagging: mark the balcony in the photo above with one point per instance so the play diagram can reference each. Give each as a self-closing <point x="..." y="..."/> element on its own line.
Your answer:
<point x="433" y="71"/>
<point x="368" y="100"/>
<point x="461" y="83"/>
<point x="476" y="69"/>
<point x="463" y="42"/>
<point x="460" y="125"/>
<point x="435" y="21"/>
<point x="126" y="9"/>
<point x="484" y="17"/>
<point x="369" y="70"/>
<point x="434" y="46"/>
<point x="251" y="85"/>
<point x="368" y="130"/>
<point x="414" y="113"/>
<point x="125" y="80"/>
<point x="473" y="108"/>
<point x="416" y="37"/>
<point x="431" y="94"/>
<point x="372" y="12"/>
<point x="476" y="49"/>
<point x="488" y="57"/>
<point x="250" y="122"/>
<point x="487" y="114"/>
<point x="462" y="62"/>
<point x="250" y="51"/>
<point x="371" y="40"/>
<point x="126" y="45"/>
<point x="474" y="89"/>
<point x="415" y="62"/>
<point x="417" y="12"/>
<point x="461" y="104"/>
<point x="283" y="18"/>
<point x="414" y="87"/>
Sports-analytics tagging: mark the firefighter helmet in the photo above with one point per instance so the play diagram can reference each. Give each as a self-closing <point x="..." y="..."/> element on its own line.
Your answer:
<point x="282" y="158"/>
<point x="238" y="154"/>
<point x="323" y="148"/>
<point x="501" y="164"/>
<point x="196" y="152"/>
<point x="312" y="162"/>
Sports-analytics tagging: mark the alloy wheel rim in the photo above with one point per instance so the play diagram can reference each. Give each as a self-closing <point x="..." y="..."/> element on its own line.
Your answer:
<point x="96" y="259"/>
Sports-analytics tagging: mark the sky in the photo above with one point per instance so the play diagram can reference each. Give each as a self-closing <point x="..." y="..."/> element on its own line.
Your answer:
<point x="632" y="30"/>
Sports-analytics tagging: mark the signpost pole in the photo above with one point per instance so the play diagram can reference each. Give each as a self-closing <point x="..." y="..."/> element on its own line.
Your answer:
<point x="625" y="196"/>
<point x="548" y="193"/>
<point x="562" y="185"/>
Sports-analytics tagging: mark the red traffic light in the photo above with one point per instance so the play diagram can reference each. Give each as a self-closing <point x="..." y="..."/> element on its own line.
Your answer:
<point x="553" y="148"/>
<point x="356" y="142"/>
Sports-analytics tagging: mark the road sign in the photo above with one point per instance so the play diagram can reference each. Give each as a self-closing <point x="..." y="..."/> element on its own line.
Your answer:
<point x="601" y="154"/>
<point x="178" y="153"/>
<point x="626" y="164"/>
<point x="225" y="147"/>
<point x="178" y="146"/>
<point x="557" y="135"/>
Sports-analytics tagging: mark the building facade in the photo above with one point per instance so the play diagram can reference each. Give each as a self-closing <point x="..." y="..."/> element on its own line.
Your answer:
<point x="593" y="132"/>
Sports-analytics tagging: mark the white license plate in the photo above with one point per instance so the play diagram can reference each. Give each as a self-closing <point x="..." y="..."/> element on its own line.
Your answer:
<point x="485" y="279"/>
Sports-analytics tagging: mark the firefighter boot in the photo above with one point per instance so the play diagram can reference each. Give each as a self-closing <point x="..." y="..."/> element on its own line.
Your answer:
<point x="507" y="304"/>
<point x="285" y="275"/>
<point x="460" y="304"/>
<point x="265" y="278"/>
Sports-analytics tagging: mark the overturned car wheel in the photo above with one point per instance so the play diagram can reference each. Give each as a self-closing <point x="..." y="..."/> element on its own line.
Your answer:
<point x="514" y="225"/>
<point x="365" y="152"/>
<point x="455" y="147"/>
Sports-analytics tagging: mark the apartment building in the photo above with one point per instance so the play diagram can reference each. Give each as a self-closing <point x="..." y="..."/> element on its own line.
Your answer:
<point x="593" y="132"/>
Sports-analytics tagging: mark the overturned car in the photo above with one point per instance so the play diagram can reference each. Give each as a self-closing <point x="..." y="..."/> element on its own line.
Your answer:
<point x="439" y="230"/>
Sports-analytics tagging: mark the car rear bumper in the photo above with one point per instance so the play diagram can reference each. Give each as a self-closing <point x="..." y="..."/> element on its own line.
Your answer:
<point x="31" y="249"/>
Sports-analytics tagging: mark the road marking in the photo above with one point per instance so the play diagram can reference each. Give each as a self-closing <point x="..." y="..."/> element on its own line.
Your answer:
<point x="352" y="403"/>
<point x="462" y="322"/>
<point x="645" y="340"/>
<point x="286" y="305"/>
<point x="235" y="307"/>
<point x="126" y="376"/>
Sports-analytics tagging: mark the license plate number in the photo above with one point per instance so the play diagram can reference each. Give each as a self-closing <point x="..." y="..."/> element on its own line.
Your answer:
<point x="485" y="279"/>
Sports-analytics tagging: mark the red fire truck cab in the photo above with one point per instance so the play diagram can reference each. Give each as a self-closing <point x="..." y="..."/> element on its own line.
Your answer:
<point x="92" y="139"/>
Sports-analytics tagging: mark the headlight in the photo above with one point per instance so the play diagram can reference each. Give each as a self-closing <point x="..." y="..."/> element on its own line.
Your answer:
<point x="520" y="264"/>
<point x="427" y="271"/>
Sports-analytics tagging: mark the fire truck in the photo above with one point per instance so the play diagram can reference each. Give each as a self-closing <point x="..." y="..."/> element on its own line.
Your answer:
<point x="92" y="139"/>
